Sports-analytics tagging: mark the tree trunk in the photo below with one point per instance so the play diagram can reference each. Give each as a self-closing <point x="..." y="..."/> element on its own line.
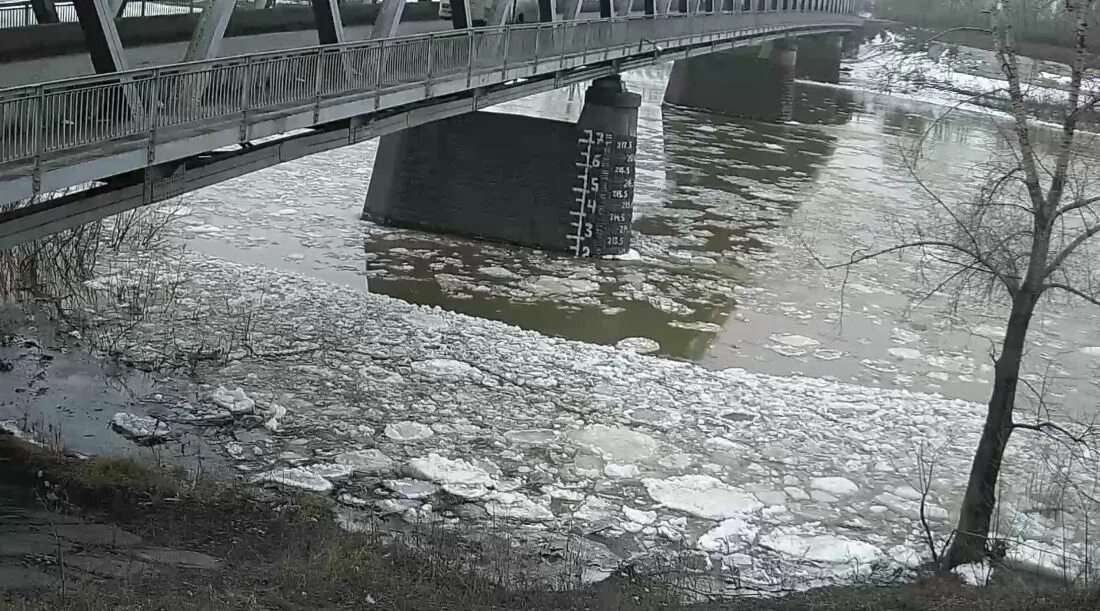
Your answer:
<point x="976" y="513"/>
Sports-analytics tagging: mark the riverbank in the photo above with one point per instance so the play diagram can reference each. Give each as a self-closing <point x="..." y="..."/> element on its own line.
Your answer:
<point x="112" y="533"/>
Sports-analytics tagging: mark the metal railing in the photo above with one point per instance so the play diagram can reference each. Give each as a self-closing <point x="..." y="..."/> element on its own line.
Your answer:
<point x="49" y="118"/>
<point x="18" y="14"/>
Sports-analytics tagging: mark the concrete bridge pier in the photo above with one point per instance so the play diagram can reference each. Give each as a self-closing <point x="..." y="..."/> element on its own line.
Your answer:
<point x="819" y="58"/>
<point x="755" y="83"/>
<point x="557" y="185"/>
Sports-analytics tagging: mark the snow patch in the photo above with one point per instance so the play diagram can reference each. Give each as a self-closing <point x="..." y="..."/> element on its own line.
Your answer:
<point x="976" y="574"/>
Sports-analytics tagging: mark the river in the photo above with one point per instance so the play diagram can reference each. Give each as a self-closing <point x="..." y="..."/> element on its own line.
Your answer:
<point x="733" y="221"/>
<point x="778" y="436"/>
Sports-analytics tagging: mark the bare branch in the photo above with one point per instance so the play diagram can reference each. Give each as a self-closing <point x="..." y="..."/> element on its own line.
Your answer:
<point x="1095" y="300"/>
<point x="1046" y="427"/>
<point x="1080" y="203"/>
<point x="1068" y="250"/>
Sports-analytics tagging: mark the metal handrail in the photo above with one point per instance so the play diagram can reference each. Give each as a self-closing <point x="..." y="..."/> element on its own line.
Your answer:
<point x="59" y="115"/>
<point x="21" y="14"/>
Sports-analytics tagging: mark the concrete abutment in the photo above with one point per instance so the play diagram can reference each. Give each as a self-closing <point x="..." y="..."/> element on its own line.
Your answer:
<point x="535" y="182"/>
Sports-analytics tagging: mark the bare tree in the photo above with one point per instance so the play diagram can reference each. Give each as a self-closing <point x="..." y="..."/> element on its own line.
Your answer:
<point x="1024" y="236"/>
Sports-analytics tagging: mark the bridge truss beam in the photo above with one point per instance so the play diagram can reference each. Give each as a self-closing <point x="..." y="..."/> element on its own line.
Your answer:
<point x="97" y="21"/>
<point x="389" y="17"/>
<point x="45" y="11"/>
<point x="571" y="10"/>
<point x="209" y="31"/>
<point x="330" y="27"/>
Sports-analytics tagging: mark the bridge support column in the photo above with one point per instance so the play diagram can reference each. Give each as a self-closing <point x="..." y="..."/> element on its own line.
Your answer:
<point x="819" y="58"/>
<point x="559" y="186"/>
<point x="754" y="83"/>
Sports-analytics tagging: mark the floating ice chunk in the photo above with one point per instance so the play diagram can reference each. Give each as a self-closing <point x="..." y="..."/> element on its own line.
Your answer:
<point x="496" y="271"/>
<point x="1091" y="350"/>
<point x="797" y="494"/>
<point x="408" y="431"/>
<point x="296" y="477"/>
<point x="975" y="574"/>
<point x="532" y="436"/>
<point x="366" y="461"/>
<point x="676" y="461"/>
<point x="435" y="468"/>
<point x="142" y="429"/>
<point x="466" y="491"/>
<point x="702" y="327"/>
<point x="517" y="507"/>
<point x="911" y="354"/>
<point x="236" y="402"/>
<point x="638" y="516"/>
<point x="828" y="355"/>
<point x="615" y="471"/>
<point x="445" y="368"/>
<point x="410" y="488"/>
<point x="332" y="472"/>
<point x="830" y="549"/>
<point x="380" y="375"/>
<point x="879" y="366"/>
<point x="551" y="285"/>
<point x="617" y="444"/>
<point x="903" y="336"/>
<point x="794" y="341"/>
<point x="594" y="509"/>
<point x="731" y="534"/>
<point x="640" y="345"/>
<point x="907" y="492"/>
<point x="839" y="486"/>
<point x="701" y="495"/>
<point x="274" y="414"/>
<point x="630" y="255"/>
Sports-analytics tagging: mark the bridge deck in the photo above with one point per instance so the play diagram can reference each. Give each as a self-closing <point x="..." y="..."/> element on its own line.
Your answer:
<point x="63" y="134"/>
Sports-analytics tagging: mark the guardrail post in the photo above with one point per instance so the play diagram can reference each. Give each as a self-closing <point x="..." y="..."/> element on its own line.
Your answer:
<point x="40" y="139"/>
<point x="152" y="115"/>
<point x="246" y="98"/>
<point x="431" y="62"/>
<point x="317" y="81"/>
<point x="504" y="56"/>
<point x="379" y="64"/>
<point x="470" y="63"/>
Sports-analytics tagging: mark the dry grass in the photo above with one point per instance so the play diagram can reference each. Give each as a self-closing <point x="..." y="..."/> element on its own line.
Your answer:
<point x="283" y="553"/>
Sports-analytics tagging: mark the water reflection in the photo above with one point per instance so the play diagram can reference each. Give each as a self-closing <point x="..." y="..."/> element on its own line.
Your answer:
<point x="725" y="214"/>
<point x="709" y="187"/>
